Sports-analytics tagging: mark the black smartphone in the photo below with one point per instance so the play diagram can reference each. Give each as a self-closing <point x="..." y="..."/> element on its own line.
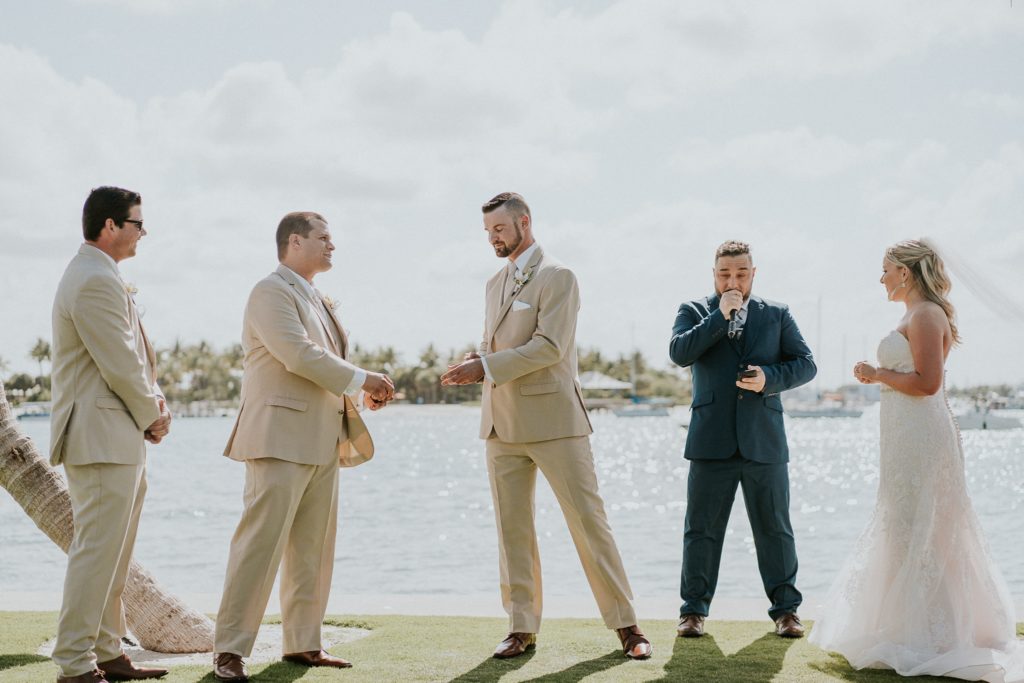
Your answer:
<point x="746" y="374"/>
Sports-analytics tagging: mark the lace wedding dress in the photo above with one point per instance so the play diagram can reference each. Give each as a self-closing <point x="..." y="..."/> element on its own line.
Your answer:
<point x="920" y="594"/>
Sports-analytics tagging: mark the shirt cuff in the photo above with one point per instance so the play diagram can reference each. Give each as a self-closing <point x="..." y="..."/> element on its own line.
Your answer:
<point x="358" y="380"/>
<point x="487" y="372"/>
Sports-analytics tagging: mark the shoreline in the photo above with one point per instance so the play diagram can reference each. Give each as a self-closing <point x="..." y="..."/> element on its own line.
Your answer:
<point x="464" y="605"/>
<point x="443" y="605"/>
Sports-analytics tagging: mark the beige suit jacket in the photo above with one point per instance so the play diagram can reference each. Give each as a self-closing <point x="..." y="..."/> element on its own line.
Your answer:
<point x="530" y="349"/>
<point x="294" y="406"/>
<point x="104" y="380"/>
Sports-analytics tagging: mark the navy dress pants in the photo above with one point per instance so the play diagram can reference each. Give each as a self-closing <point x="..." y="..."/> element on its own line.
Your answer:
<point x="711" y="489"/>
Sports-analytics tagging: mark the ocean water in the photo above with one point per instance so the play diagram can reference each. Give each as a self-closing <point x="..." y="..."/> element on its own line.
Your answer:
<point x="417" y="519"/>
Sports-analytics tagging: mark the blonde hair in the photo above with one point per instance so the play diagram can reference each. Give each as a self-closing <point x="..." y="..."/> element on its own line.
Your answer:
<point x="929" y="272"/>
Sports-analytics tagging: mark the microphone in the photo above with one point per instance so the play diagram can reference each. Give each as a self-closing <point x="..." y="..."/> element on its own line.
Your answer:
<point x="734" y="324"/>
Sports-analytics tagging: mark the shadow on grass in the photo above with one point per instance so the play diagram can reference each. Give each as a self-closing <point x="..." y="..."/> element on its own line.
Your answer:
<point x="837" y="667"/>
<point x="14" y="661"/>
<point x="278" y="672"/>
<point x="492" y="669"/>
<point x="580" y="670"/>
<point x="695" y="659"/>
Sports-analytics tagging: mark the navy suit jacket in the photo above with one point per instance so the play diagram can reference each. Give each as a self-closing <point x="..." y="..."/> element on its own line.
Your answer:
<point x="726" y="419"/>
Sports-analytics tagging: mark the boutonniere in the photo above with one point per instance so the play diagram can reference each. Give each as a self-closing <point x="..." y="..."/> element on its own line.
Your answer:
<point x="330" y="303"/>
<point x="521" y="280"/>
<point x="130" y="289"/>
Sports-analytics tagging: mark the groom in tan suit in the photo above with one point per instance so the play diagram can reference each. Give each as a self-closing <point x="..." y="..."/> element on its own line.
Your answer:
<point x="297" y="424"/>
<point x="533" y="418"/>
<point x="106" y="405"/>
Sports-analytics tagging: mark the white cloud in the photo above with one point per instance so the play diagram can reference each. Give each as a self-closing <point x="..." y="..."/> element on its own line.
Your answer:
<point x="164" y="7"/>
<point x="401" y="138"/>
<point x="1005" y="103"/>
<point x="797" y="152"/>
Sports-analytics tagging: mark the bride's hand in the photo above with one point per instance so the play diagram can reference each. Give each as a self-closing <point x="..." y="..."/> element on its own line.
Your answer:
<point x="865" y="372"/>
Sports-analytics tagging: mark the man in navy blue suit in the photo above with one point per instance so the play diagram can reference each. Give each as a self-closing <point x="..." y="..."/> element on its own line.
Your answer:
<point x="743" y="351"/>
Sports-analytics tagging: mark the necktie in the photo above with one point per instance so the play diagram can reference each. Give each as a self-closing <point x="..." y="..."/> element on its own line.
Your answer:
<point x="509" y="283"/>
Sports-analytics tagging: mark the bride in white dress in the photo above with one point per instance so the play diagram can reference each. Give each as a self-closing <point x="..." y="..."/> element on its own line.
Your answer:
<point x="920" y="594"/>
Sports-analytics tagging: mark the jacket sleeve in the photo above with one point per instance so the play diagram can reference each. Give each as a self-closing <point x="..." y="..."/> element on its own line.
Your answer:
<point x="101" y="317"/>
<point x="797" y="366"/>
<point x="693" y="334"/>
<point x="556" y="328"/>
<point x="272" y="314"/>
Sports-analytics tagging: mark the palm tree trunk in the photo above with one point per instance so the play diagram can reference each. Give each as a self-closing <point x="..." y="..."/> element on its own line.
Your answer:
<point x="160" y="621"/>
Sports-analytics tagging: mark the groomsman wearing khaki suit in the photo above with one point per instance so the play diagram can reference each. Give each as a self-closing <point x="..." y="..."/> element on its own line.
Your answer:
<point x="297" y="424"/>
<point x="533" y="418"/>
<point x="106" y="405"/>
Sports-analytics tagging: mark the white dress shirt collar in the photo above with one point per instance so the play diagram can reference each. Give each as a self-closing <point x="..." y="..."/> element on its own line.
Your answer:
<point x="306" y="284"/>
<point x="524" y="258"/>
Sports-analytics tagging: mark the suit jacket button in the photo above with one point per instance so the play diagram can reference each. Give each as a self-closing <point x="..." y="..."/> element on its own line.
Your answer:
<point x="741" y="397"/>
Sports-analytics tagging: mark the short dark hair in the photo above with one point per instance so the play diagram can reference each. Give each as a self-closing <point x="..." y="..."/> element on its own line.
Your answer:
<point x="106" y="202"/>
<point x="512" y="201"/>
<point x="295" y="223"/>
<point x="733" y="248"/>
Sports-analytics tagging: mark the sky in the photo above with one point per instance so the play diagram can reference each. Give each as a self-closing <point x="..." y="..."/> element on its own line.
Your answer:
<point x="642" y="134"/>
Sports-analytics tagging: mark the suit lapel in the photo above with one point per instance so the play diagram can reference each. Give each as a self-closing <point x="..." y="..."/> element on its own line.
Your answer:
<point x="755" y="309"/>
<point x="342" y="337"/>
<point x="289" y="276"/>
<point x="136" y="322"/>
<point x="531" y="267"/>
<point x="150" y="353"/>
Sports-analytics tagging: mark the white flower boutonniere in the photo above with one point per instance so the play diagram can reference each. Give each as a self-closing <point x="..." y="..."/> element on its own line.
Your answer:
<point x="130" y="289"/>
<point x="330" y="303"/>
<point x="521" y="280"/>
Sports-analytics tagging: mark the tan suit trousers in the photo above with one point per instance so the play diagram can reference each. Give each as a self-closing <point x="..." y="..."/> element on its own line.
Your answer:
<point x="290" y="521"/>
<point x="568" y="465"/>
<point x="107" y="501"/>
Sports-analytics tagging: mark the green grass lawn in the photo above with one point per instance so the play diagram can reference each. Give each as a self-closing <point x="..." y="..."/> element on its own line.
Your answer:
<point x="457" y="649"/>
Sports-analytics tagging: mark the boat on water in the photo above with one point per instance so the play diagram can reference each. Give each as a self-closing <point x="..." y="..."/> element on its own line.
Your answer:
<point x="641" y="410"/>
<point x="983" y="418"/>
<point x="824" y="411"/>
<point x="32" y="411"/>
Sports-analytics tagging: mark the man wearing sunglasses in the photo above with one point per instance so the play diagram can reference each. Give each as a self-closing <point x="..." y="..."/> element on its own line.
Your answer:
<point x="106" y="406"/>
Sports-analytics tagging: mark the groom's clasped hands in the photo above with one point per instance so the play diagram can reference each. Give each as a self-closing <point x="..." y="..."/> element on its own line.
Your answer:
<point x="379" y="390"/>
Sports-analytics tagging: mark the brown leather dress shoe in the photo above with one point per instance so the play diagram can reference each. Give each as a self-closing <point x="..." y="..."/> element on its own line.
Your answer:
<point x="94" y="676"/>
<point x="690" y="626"/>
<point x="227" y="666"/>
<point x="317" y="658"/>
<point x="515" y="644"/>
<point x="634" y="644"/>
<point x="789" y="626"/>
<point x="122" y="669"/>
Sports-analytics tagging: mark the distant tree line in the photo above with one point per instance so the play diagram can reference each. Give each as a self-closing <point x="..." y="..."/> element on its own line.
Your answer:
<point x="190" y="373"/>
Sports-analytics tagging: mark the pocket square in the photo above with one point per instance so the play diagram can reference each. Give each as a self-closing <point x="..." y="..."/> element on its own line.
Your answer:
<point x="520" y="305"/>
